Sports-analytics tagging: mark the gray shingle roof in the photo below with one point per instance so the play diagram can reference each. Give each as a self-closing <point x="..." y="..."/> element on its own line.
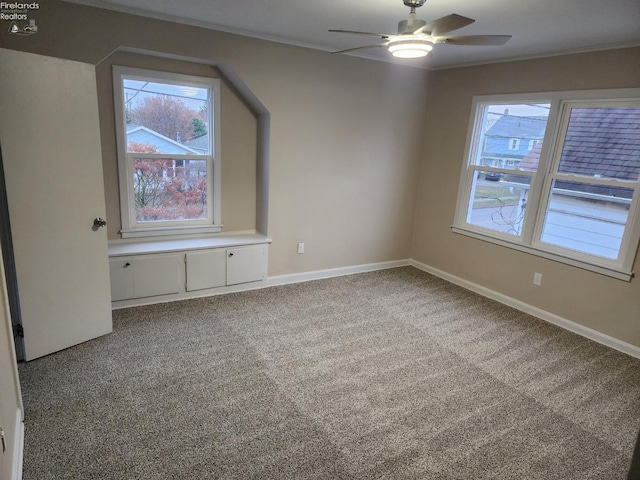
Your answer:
<point x="531" y="159"/>
<point x="199" y="143"/>
<point x="603" y="142"/>
<point x="513" y="126"/>
<point x="600" y="142"/>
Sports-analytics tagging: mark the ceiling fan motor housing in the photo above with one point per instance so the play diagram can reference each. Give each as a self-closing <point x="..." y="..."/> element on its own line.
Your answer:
<point x="413" y="3"/>
<point x="407" y="27"/>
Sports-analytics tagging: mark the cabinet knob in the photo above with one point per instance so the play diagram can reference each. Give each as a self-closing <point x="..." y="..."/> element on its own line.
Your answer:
<point x="99" y="222"/>
<point x="127" y="265"/>
<point x="231" y="254"/>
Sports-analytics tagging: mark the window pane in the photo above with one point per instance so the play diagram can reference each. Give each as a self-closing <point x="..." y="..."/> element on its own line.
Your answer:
<point x="168" y="189"/>
<point x="602" y="142"/>
<point x="587" y="218"/>
<point x="498" y="201"/>
<point x="511" y="136"/>
<point x="166" y="118"/>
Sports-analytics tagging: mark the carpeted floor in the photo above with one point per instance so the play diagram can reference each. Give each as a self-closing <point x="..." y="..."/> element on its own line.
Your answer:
<point x="387" y="375"/>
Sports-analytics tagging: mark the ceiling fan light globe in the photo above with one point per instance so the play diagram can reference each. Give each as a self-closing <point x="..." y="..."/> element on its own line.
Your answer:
<point x="413" y="48"/>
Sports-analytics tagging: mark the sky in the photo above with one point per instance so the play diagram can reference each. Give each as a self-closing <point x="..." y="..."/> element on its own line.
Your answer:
<point x="529" y="110"/>
<point x="137" y="90"/>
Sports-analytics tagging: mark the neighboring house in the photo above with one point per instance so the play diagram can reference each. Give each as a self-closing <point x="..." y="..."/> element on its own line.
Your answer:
<point x="146" y="136"/>
<point x="178" y="166"/>
<point x="510" y="138"/>
<point x="201" y="144"/>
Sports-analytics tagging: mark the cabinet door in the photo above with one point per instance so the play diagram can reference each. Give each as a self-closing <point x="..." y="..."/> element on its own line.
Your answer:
<point x="206" y="269"/>
<point x="245" y="264"/>
<point x="121" y="273"/>
<point x="156" y="275"/>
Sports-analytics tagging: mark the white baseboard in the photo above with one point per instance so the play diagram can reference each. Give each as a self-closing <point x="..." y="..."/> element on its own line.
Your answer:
<point x="531" y="310"/>
<point x="334" y="272"/>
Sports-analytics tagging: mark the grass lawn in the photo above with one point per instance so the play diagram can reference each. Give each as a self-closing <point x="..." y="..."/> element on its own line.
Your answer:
<point x="495" y="196"/>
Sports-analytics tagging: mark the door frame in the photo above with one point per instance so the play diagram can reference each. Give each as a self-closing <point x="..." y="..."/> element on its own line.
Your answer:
<point x="10" y="267"/>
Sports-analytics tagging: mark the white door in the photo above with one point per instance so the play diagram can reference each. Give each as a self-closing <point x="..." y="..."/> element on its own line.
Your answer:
<point x="50" y="140"/>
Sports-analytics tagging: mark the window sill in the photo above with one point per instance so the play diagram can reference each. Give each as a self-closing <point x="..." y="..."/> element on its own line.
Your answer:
<point x="159" y="232"/>
<point x="602" y="270"/>
<point x="118" y="248"/>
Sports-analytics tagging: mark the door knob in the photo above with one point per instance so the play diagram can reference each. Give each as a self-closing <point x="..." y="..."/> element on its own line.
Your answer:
<point x="99" y="222"/>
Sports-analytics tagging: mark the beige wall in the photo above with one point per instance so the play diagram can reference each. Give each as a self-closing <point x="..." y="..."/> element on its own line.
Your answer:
<point x="602" y="303"/>
<point x="346" y="133"/>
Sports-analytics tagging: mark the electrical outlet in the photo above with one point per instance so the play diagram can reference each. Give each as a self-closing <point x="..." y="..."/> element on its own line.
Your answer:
<point x="537" y="278"/>
<point x="301" y="248"/>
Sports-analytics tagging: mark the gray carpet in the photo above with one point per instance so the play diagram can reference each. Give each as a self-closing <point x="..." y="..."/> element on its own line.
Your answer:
<point x="386" y="375"/>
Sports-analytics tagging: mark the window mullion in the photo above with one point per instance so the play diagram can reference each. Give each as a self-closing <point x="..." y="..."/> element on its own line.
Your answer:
<point x="554" y="136"/>
<point x="539" y="179"/>
<point x="528" y="222"/>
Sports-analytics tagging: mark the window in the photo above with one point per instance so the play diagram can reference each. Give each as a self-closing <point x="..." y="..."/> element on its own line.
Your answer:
<point x="573" y="194"/>
<point x="168" y="152"/>
<point x="514" y="144"/>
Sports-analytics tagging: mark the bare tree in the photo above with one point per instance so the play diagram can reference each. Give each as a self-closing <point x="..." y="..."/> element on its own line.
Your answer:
<point x="166" y="115"/>
<point x="168" y="189"/>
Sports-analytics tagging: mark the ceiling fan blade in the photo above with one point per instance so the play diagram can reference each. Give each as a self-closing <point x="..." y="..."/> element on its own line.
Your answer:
<point x="384" y="36"/>
<point x="474" y="40"/>
<point x="361" y="48"/>
<point x="445" y="24"/>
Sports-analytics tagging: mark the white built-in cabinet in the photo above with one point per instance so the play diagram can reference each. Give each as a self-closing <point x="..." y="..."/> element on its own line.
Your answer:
<point x="183" y="272"/>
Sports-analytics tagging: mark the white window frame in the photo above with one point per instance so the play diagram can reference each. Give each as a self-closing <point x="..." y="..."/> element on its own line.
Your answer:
<point x="130" y="227"/>
<point x="542" y="181"/>
<point x="514" y="144"/>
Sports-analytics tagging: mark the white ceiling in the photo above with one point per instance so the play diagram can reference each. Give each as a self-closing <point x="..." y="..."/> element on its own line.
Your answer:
<point x="539" y="27"/>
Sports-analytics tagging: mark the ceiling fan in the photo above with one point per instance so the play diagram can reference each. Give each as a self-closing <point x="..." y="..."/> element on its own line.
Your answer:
<point x="416" y="38"/>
